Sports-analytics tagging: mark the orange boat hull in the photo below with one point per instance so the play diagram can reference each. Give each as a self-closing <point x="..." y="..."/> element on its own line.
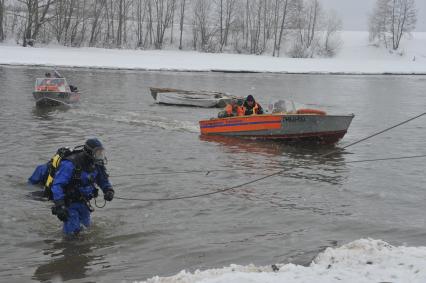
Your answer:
<point x="323" y="128"/>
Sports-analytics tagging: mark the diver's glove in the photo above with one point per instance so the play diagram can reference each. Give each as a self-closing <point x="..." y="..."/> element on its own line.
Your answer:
<point x="109" y="194"/>
<point x="60" y="210"/>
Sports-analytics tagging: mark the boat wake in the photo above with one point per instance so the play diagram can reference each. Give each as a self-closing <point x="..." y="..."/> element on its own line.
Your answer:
<point x="364" y="260"/>
<point x="134" y="118"/>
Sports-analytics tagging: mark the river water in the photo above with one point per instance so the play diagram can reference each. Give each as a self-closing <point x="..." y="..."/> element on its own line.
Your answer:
<point x="320" y="202"/>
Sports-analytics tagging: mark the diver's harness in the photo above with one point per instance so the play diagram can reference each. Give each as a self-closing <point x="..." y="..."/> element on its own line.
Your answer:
<point x="71" y="190"/>
<point x="52" y="167"/>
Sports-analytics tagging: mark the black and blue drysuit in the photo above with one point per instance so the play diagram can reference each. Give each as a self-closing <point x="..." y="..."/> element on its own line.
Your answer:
<point x="76" y="193"/>
<point x="40" y="175"/>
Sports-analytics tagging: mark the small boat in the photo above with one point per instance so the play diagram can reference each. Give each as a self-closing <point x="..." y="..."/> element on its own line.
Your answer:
<point x="304" y="124"/>
<point x="201" y="98"/>
<point x="54" y="92"/>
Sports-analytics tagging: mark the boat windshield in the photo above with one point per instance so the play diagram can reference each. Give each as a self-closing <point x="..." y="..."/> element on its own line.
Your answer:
<point x="284" y="106"/>
<point x="52" y="84"/>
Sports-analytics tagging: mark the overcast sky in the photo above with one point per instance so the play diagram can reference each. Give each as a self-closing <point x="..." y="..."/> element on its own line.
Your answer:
<point x="354" y="13"/>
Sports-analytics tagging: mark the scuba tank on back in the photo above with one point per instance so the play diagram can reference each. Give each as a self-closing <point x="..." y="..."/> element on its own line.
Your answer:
<point x="53" y="165"/>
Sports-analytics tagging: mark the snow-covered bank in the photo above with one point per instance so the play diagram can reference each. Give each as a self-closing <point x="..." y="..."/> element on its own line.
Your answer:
<point x="361" y="261"/>
<point x="356" y="57"/>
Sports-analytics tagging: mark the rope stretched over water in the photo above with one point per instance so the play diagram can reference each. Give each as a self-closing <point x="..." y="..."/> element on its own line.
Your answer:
<point x="282" y="171"/>
<point x="378" y="133"/>
<point x="388" y="158"/>
<point x="259" y="179"/>
<point x="183" y="172"/>
<point x="207" y="171"/>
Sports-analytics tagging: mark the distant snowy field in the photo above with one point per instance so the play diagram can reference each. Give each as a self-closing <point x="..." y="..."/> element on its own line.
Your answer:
<point x="362" y="261"/>
<point x="355" y="57"/>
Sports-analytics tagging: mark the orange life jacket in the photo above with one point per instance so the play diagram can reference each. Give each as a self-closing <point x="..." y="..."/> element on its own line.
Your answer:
<point x="228" y="109"/>
<point x="241" y="111"/>
<point x="238" y="110"/>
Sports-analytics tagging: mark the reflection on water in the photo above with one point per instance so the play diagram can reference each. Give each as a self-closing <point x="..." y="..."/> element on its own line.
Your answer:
<point x="71" y="259"/>
<point x="244" y="145"/>
<point x="269" y="147"/>
<point x="295" y="160"/>
<point x="288" y="166"/>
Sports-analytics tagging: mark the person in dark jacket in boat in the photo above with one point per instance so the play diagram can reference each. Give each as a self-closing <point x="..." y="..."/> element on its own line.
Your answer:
<point x="251" y="106"/>
<point x="73" y="88"/>
<point x="73" y="185"/>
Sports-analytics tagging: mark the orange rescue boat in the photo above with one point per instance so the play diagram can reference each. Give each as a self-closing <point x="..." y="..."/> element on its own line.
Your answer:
<point x="303" y="125"/>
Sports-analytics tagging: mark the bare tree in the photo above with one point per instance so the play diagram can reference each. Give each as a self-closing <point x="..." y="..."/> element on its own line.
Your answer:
<point x="256" y="28"/>
<point x="282" y="20"/>
<point x="181" y="21"/>
<point x="221" y="19"/>
<point x="123" y="8"/>
<point x="149" y="24"/>
<point x="226" y="16"/>
<point x="162" y="12"/>
<point x="172" y="24"/>
<point x="36" y="16"/>
<point x="268" y="22"/>
<point x="247" y="21"/>
<point x="276" y="19"/>
<point x="391" y="20"/>
<point x="2" y="12"/>
<point x="97" y="9"/>
<point x="68" y="16"/>
<point x="141" y="7"/>
<point x="307" y="20"/>
<point x="332" y="41"/>
<point x="120" y="22"/>
<point x="255" y="22"/>
<point x="110" y="12"/>
<point x="379" y="22"/>
<point x="15" y="27"/>
<point x="63" y="14"/>
<point x="79" y="23"/>
<point x="202" y="24"/>
<point x="313" y="11"/>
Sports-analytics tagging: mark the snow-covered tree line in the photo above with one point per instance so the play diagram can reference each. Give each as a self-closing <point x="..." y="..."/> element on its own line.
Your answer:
<point x="299" y="28"/>
<point x="391" y="20"/>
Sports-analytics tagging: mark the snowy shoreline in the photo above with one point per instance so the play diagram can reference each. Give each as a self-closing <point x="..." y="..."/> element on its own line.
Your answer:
<point x="423" y="73"/>
<point x="361" y="261"/>
<point x="356" y="57"/>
